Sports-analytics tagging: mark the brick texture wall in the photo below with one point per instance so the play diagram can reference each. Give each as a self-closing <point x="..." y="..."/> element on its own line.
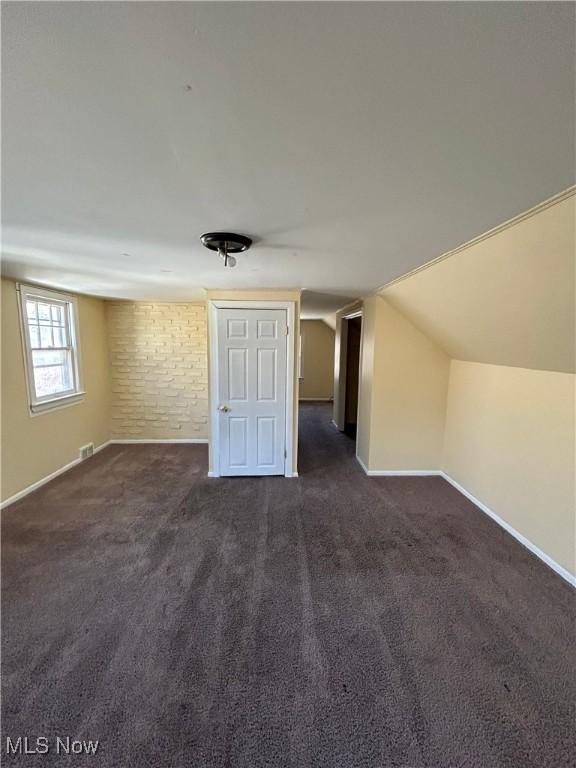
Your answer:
<point x="159" y="367"/>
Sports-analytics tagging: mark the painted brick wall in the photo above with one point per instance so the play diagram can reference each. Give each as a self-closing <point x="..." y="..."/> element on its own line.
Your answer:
<point x="159" y="368"/>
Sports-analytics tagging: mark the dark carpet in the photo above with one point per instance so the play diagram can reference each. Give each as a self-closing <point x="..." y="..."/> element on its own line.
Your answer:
<point x="333" y="620"/>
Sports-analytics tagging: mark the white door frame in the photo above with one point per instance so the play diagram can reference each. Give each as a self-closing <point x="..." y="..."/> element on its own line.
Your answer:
<point x="213" y="307"/>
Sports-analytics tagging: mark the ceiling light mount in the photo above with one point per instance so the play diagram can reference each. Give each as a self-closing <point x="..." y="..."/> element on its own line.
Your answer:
<point x="226" y="243"/>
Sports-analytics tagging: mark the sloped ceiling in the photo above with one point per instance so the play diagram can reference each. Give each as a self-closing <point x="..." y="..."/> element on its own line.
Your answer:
<point x="507" y="299"/>
<point x="356" y="141"/>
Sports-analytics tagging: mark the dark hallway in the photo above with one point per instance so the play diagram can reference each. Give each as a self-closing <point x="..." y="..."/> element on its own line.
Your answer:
<point x="354" y="334"/>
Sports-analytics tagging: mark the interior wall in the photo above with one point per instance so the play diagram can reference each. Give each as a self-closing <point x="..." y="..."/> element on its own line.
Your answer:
<point x="34" y="447"/>
<point x="403" y="392"/>
<point x="159" y="370"/>
<point x="509" y="441"/>
<point x="317" y="372"/>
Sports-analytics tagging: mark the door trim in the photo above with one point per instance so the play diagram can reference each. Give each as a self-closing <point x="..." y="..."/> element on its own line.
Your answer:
<point x="214" y="444"/>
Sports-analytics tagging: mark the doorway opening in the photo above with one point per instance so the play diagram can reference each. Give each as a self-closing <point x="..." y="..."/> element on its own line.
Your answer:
<point x="353" y="330"/>
<point x="347" y="372"/>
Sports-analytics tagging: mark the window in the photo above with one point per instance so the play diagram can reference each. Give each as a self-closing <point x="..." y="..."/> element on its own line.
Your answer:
<point x="49" y="333"/>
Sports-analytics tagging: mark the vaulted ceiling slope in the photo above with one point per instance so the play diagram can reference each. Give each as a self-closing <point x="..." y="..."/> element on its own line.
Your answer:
<point x="507" y="299"/>
<point x="356" y="141"/>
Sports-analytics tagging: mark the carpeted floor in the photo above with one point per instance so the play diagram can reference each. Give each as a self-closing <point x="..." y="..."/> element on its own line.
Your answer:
<point x="334" y="621"/>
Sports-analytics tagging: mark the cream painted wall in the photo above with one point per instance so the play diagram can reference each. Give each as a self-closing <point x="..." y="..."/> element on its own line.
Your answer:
<point x="317" y="374"/>
<point x="507" y="299"/>
<point x="35" y="446"/>
<point x="509" y="441"/>
<point x="403" y="391"/>
<point x="272" y="294"/>
<point x="330" y="321"/>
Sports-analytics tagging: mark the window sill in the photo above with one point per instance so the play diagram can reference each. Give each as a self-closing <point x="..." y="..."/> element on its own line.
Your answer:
<point x="58" y="402"/>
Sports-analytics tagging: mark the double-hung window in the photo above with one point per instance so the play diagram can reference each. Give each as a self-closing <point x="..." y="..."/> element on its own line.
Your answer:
<point x="50" y="334"/>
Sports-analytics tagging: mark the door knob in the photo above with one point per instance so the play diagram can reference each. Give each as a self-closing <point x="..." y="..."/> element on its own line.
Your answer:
<point x="223" y="408"/>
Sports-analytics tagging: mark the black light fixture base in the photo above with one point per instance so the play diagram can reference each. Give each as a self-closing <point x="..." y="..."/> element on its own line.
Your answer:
<point x="227" y="242"/>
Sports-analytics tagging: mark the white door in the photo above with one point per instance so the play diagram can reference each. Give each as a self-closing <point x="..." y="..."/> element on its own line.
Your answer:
<point x="252" y="348"/>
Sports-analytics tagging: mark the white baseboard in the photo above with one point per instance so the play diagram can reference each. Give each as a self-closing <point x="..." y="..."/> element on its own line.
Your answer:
<point x="44" y="480"/>
<point x="403" y="473"/>
<point x="191" y="440"/>
<point x="359" y="460"/>
<point x="214" y="474"/>
<point x="66" y="467"/>
<point x="397" y="472"/>
<point x="560" y="570"/>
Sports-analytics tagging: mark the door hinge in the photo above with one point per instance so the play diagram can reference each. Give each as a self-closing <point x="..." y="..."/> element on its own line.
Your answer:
<point x="287" y="330"/>
<point x="285" y="453"/>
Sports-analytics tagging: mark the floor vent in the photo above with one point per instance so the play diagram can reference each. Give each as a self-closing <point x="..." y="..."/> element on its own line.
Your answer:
<point x="86" y="451"/>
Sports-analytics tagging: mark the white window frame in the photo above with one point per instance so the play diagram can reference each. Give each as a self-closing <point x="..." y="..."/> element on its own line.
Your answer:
<point x="76" y="394"/>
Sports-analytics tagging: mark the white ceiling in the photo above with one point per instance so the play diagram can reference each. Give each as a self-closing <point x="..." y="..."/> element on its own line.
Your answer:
<point x="356" y="141"/>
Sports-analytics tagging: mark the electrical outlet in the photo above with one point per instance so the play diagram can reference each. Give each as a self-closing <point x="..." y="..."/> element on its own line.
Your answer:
<point x="86" y="451"/>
